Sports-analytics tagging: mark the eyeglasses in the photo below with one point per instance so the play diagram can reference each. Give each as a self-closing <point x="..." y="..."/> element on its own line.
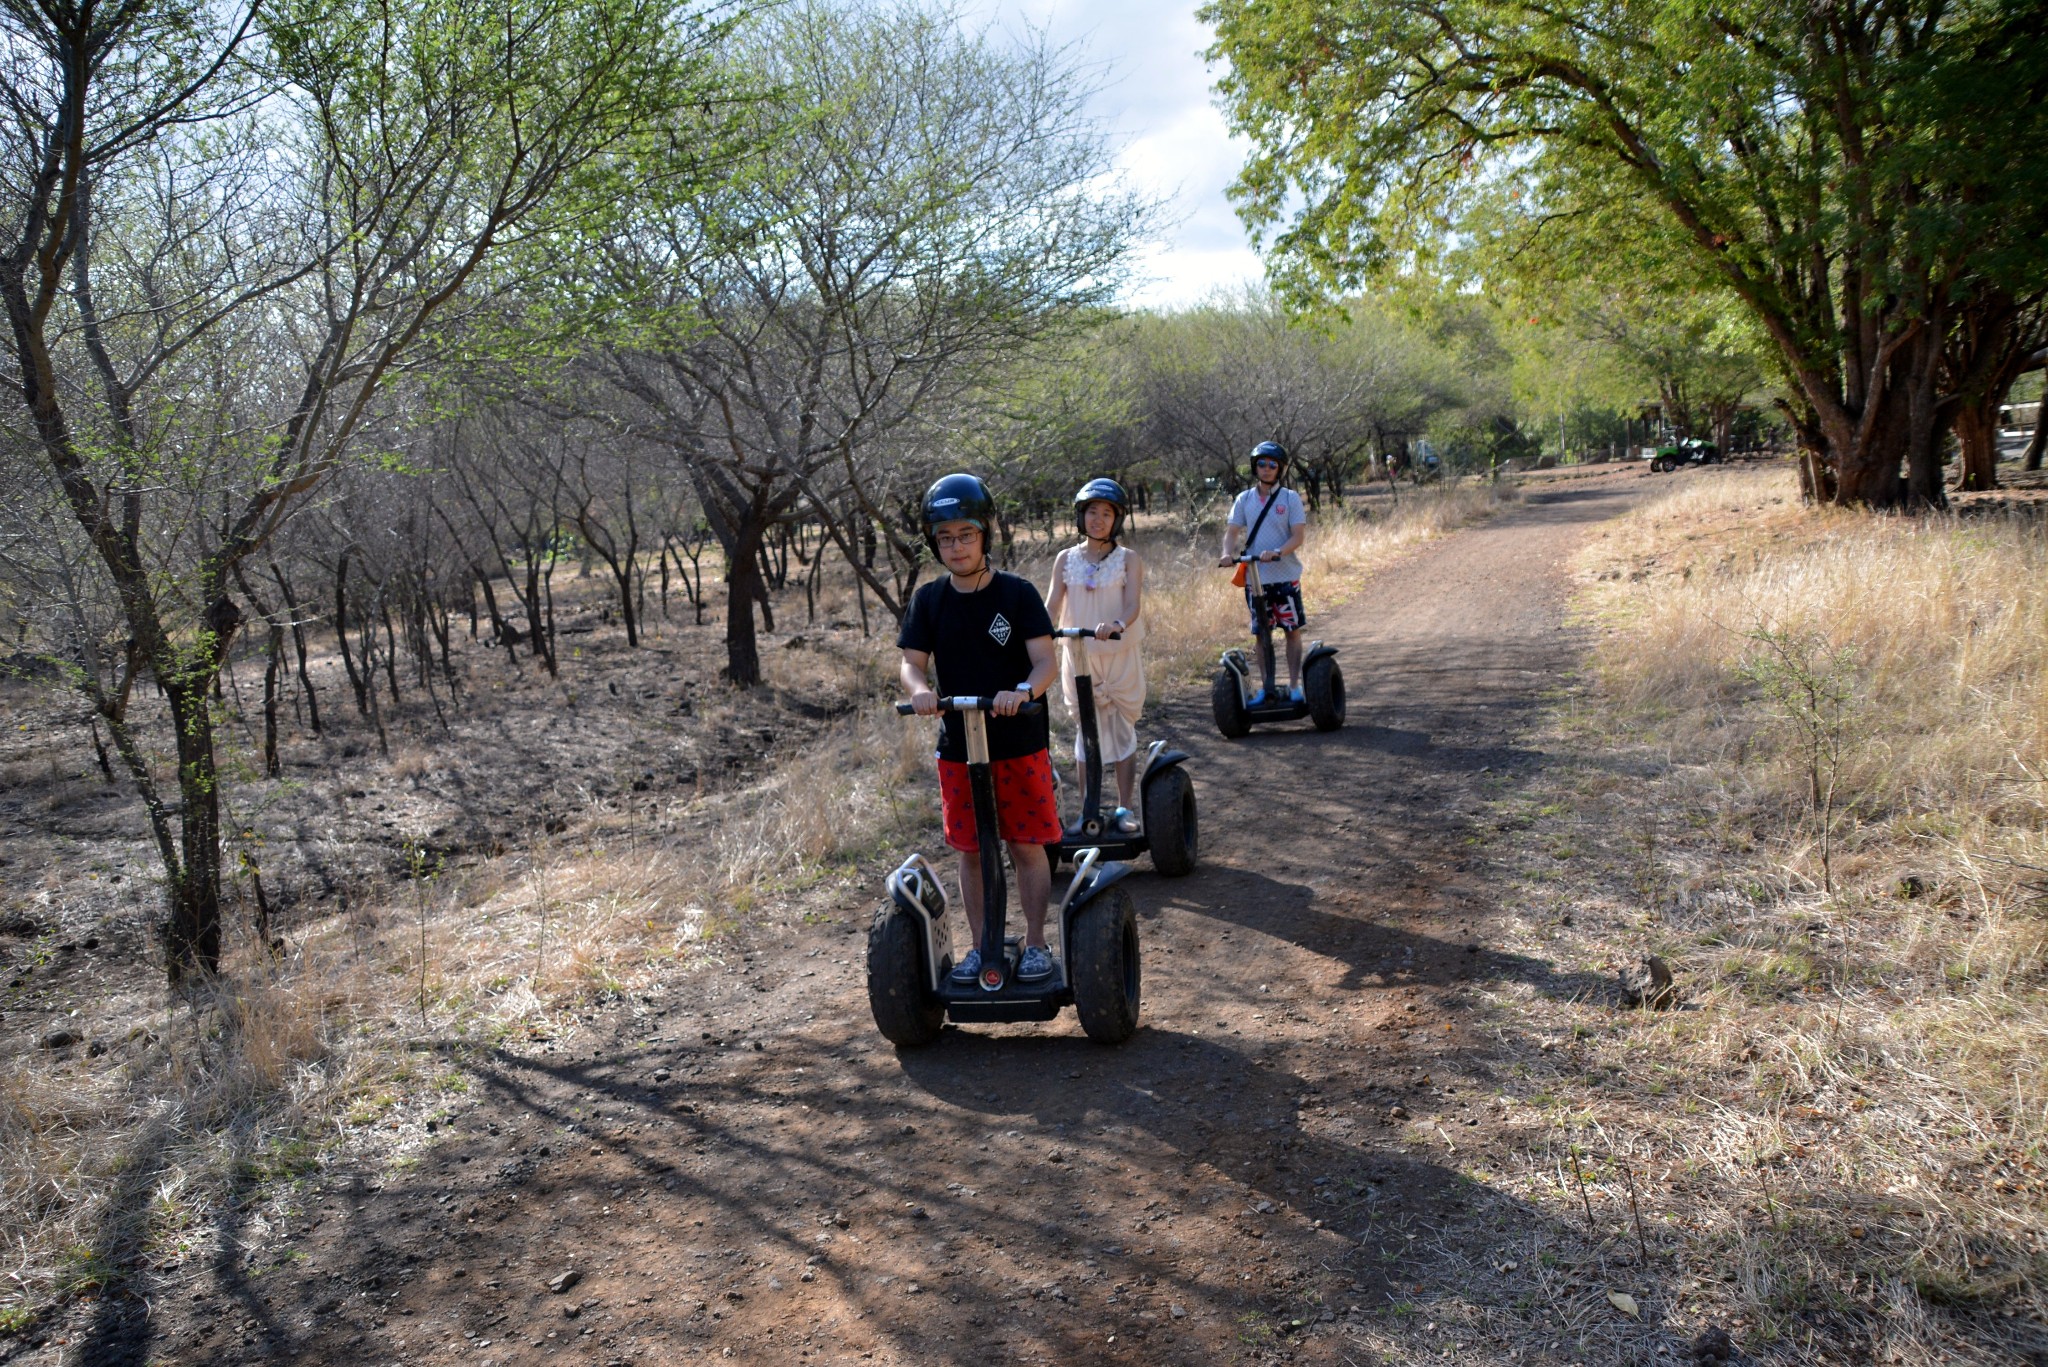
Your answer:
<point x="1259" y="464"/>
<point x="948" y="540"/>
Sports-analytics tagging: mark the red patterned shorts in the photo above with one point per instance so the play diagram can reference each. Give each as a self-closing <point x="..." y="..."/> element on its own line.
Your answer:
<point x="1027" y="811"/>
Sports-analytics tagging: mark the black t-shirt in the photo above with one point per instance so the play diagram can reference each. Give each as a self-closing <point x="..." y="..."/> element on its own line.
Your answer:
<point x="976" y="643"/>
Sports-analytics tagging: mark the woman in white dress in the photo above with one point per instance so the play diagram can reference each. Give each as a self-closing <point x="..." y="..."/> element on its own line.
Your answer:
<point x="1101" y="584"/>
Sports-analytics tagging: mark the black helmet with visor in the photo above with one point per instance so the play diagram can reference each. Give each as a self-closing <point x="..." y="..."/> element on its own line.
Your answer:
<point x="957" y="498"/>
<point x="1269" y="450"/>
<point x="1102" y="491"/>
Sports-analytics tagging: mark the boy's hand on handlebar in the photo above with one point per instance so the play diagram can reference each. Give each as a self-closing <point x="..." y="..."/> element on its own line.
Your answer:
<point x="925" y="703"/>
<point x="1268" y="557"/>
<point x="1008" y="701"/>
<point x="1226" y="562"/>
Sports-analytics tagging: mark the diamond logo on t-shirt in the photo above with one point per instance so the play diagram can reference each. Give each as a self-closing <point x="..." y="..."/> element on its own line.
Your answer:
<point x="1000" y="629"/>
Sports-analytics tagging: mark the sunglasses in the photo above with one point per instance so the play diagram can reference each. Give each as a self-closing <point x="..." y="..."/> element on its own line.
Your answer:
<point x="1262" y="464"/>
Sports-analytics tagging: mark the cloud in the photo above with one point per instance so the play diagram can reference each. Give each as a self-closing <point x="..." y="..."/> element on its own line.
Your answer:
<point x="1171" y="140"/>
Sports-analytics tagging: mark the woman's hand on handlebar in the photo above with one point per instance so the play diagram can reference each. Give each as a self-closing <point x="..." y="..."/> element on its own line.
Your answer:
<point x="1109" y="631"/>
<point x="925" y="703"/>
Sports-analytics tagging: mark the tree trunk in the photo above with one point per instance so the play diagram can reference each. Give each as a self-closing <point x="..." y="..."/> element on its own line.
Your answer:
<point x="291" y="607"/>
<point x="2038" y="443"/>
<point x="438" y="620"/>
<point x="622" y="575"/>
<point x="547" y="613"/>
<point x="1890" y="458"/>
<point x="273" y="665"/>
<point x="541" y="631"/>
<point x="355" y="679"/>
<point x="192" y="934"/>
<point x="1976" y="432"/>
<point x="508" y="635"/>
<point x="390" y="649"/>
<point x="743" y="588"/>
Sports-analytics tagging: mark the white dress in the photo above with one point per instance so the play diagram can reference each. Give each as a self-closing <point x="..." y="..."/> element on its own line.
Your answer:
<point x="1095" y="593"/>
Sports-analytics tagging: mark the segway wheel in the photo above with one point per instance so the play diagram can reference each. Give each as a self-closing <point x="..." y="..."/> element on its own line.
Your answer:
<point x="1102" y="965"/>
<point x="1227" y="704"/>
<point x="906" y="1012"/>
<point x="1170" y="822"/>
<point x="1323" y="686"/>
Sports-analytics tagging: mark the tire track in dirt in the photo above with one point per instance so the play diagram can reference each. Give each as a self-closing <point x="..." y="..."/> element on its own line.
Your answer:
<point x="737" y="1167"/>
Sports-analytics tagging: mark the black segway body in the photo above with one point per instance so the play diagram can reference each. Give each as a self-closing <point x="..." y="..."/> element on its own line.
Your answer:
<point x="910" y="960"/>
<point x="1166" y="795"/>
<point x="1237" y="680"/>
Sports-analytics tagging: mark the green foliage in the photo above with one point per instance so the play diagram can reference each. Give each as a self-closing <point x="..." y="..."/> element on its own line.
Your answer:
<point x="1848" y="177"/>
<point x="85" y="1269"/>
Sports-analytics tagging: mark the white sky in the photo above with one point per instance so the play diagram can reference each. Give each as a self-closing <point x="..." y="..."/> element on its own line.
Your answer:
<point x="1155" y="104"/>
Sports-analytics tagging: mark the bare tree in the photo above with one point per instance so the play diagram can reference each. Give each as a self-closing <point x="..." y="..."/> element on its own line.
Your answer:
<point x="171" y="188"/>
<point x="935" y="208"/>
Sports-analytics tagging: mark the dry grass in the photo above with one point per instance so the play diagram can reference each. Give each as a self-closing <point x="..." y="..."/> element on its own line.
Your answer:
<point x="220" y="1093"/>
<point x="214" y="1103"/>
<point x="1843" y="1138"/>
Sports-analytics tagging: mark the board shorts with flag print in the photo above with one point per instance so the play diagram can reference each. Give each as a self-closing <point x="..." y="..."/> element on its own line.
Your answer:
<point x="1027" y="810"/>
<point x="1283" y="606"/>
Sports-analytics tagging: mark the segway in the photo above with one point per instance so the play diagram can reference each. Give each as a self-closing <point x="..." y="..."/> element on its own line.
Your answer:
<point x="1231" y="692"/>
<point x="1166" y="795"/>
<point x="910" y="950"/>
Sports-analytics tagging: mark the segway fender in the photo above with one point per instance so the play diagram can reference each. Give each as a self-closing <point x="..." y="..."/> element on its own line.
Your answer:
<point x="1316" y="651"/>
<point x="1092" y="875"/>
<point x="1161" y="762"/>
<point x="915" y="887"/>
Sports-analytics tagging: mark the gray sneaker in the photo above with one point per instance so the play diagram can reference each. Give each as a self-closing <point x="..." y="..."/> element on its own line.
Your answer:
<point x="968" y="968"/>
<point x="1035" y="966"/>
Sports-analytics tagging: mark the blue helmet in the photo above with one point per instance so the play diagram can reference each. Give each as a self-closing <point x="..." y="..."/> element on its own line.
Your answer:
<point x="1102" y="491"/>
<point x="957" y="498"/>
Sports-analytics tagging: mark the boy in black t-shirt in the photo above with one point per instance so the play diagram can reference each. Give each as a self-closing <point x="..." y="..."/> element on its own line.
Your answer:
<point x="991" y="636"/>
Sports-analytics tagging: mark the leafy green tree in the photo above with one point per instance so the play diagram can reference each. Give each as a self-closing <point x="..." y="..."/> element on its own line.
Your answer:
<point x="1854" y="173"/>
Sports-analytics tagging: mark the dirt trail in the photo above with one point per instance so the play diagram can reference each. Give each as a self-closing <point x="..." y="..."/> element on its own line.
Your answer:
<point x="739" y="1167"/>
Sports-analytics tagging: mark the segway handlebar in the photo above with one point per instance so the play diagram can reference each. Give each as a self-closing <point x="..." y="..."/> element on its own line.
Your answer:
<point x="970" y="704"/>
<point x="1077" y="632"/>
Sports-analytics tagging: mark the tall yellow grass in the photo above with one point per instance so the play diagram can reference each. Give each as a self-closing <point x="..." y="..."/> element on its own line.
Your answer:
<point x="1886" y="1043"/>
